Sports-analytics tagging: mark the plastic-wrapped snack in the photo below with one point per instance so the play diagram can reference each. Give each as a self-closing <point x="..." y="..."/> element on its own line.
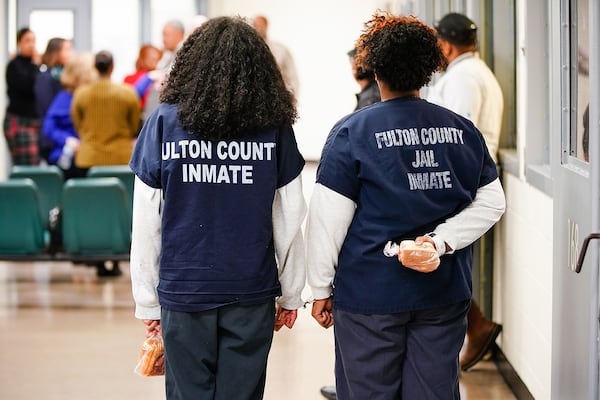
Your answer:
<point x="423" y="257"/>
<point x="151" y="360"/>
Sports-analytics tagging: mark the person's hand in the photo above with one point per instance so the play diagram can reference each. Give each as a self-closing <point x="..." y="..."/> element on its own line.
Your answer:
<point x="285" y="317"/>
<point x="73" y="143"/>
<point x="419" y="240"/>
<point x="322" y="312"/>
<point x="152" y="327"/>
<point x="418" y="263"/>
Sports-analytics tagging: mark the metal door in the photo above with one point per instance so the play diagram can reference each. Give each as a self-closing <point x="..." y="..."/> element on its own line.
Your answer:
<point x="70" y="19"/>
<point x="576" y="203"/>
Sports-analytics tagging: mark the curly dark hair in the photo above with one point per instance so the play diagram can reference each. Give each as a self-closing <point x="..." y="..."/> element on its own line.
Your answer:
<point x="226" y="83"/>
<point x="401" y="50"/>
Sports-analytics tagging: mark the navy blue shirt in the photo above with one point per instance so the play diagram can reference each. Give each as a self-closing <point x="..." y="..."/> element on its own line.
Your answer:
<point x="408" y="165"/>
<point x="217" y="234"/>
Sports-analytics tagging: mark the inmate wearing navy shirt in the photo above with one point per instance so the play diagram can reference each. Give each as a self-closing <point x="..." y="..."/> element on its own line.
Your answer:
<point x="217" y="235"/>
<point x="408" y="165"/>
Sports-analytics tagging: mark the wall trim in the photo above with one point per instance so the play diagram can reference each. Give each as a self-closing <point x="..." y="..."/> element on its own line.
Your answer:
<point x="512" y="379"/>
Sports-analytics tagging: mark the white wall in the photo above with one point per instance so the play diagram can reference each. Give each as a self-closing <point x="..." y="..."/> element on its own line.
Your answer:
<point x="117" y="32"/>
<point x="523" y="283"/>
<point x="164" y="11"/>
<point x="318" y="34"/>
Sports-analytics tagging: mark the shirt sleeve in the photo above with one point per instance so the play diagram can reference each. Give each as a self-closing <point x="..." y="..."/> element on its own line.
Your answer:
<point x="289" y="160"/>
<point x="147" y="153"/>
<point x="75" y="111"/>
<point x="145" y="249"/>
<point x="329" y="217"/>
<point x="289" y="210"/>
<point x="476" y="219"/>
<point x="337" y="167"/>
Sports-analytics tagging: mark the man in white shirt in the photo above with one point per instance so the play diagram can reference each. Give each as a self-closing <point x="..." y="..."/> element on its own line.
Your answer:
<point x="469" y="88"/>
<point x="173" y="34"/>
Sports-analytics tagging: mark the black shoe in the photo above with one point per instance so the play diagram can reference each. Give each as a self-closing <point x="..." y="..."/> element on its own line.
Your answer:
<point x="102" y="271"/>
<point x="329" y="392"/>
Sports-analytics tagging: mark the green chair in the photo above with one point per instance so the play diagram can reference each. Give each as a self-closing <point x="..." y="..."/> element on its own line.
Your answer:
<point x="123" y="172"/>
<point x="96" y="219"/>
<point x="22" y="228"/>
<point x="49" y="180"/>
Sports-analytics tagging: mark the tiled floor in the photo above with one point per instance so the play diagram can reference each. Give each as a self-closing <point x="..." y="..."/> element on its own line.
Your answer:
<point x="65" y="334"/>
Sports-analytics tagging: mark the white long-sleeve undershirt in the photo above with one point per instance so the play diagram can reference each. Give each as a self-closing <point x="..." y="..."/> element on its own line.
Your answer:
<point x="330" y="215"/>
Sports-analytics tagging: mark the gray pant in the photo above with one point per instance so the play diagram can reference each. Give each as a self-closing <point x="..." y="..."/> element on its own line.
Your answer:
<point x="403" y="356"/>
<point x="219" y="354"/>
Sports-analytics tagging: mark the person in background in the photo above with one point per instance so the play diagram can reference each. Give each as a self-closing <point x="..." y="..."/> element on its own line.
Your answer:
<point x="58" y="52"/>
<point x="47" y="85"/>
<point x="369" y="94"/>
<point x="57" y="124"/>
<point x="281" y="53"/>
<point x="217" y="239"/>
<point x="147" y="60"/>
<point x="369" y="91"/>
<point x="385" y="175"/>
<point x="469" y="88"/>
<point x="173" y="34"/>
<point x="106" y="115"/>
<point x="21" y="121"/>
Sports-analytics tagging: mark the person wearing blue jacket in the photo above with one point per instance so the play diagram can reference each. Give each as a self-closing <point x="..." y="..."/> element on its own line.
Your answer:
<point x="57" y="125"/>
<point x="217" y="255"/>
<point x="401" y="169"/>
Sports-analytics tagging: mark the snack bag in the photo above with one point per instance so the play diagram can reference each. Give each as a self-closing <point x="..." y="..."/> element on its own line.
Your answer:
<point x="151" y="360"/>
<point x="423" y="258"/>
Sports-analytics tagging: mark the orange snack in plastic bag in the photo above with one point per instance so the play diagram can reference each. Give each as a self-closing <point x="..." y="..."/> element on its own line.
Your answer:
<point x="422" y="257"/>
<point x="150" y="354"/>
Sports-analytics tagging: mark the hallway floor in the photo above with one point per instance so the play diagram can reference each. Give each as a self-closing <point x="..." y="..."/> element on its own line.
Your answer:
<point x="67" y="335"/>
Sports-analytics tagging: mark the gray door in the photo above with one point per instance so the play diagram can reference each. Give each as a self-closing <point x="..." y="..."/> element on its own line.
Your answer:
<point x="576" y="204"/>
<point x="58" y="18"/>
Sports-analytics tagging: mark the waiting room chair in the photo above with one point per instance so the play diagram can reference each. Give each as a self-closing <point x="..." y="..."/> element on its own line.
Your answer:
<point x="22" y="227"/>
<point x="49" y="180"/>
<point x="96" y="219"/>
<point x="123" y="172"/>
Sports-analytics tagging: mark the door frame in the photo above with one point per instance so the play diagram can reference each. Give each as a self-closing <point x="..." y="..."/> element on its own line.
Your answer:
<point x="82" y="13"/>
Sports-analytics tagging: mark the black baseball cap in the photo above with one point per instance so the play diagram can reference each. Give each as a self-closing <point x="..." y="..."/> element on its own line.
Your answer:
<point x="457" y="29"/>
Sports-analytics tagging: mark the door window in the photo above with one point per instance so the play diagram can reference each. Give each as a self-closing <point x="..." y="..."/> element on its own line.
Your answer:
<point x="576" y="65"/>
<point x="48" y="24"/>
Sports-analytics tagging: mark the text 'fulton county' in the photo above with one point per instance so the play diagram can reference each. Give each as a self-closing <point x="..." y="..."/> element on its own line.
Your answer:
<point x="416" y="137"/>
<point x="430" y="180"/>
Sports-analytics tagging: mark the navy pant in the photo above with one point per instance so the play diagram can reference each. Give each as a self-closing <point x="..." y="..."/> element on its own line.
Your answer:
<point x="409" y="355"/>
<point x="219" y="354"/>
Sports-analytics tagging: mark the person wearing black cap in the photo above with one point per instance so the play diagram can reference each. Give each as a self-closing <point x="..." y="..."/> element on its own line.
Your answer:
<point x="469" y="88"/>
